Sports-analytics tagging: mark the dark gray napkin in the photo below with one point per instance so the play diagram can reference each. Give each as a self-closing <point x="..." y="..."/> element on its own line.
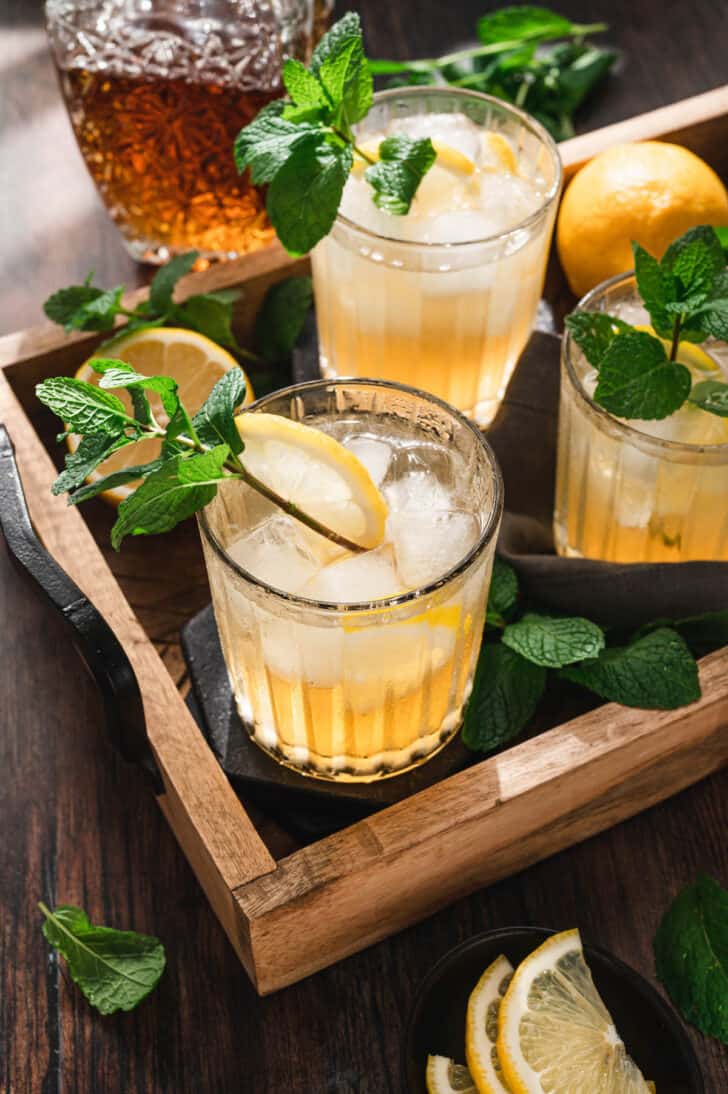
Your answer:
<point x="523" y="436"/>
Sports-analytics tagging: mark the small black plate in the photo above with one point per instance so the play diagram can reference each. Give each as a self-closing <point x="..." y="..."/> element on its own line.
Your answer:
<point x="652" y="1033"/>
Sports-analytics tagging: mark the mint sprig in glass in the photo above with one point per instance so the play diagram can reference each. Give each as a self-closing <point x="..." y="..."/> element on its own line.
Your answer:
<point x="643" y="427"/>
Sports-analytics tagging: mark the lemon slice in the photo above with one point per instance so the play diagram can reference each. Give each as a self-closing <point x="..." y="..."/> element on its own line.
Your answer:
<point x="499" y="149"/>
<point x="481" y="1027"/>
<point x="443" y="1076"/>
<point x="190" y="358"/>
<point x="554" y="1032"/>
<point x="453" y="158"/>
<point x="312" y="469"/>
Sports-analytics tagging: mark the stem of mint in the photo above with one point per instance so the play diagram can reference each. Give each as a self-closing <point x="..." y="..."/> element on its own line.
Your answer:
<point x="675" y="338"/>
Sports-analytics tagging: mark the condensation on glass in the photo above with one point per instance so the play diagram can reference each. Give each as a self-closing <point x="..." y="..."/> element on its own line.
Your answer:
<point x="157" y="91"/>
<point x="361" y="690"/>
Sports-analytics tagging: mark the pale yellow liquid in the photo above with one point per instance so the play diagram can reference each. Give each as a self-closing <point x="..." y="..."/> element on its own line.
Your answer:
<point x="618" y="502"/>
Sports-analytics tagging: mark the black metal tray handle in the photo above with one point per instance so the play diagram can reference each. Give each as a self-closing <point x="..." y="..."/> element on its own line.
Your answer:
<point x="97" y="644"/>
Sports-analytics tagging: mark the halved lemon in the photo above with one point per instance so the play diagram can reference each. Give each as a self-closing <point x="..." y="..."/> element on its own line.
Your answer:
<point x="444" y="1076"/>
<point x="481" y="1027"/>
<point x="195" y="362"/>
<point x="319" y="475"/>
<point x="554" y="1032"/>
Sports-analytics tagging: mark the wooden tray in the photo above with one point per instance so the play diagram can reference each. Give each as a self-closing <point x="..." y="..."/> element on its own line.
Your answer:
<point x="290" y="911"/>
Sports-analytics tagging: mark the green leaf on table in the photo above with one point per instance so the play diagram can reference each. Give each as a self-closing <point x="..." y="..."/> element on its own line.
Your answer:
<point x="115" y="970"/>
<point x="265" y="145"/>
<point x="161" y="290"/>
<point x="280" y="320"/>
<point x="403" y="163"/>
<point x="214" y="422"/>
<point x="304" y="196"/>
<point x="65" y="306"/>
<point x="691" y="956"/>
<point x="506" y="692"/>
<point x="169" y="495"/>
<point x="522" y="23"/>
<point x="654" y="672"/>
<point x="554" y="641"/>
<point x="594" y="333"/>
<point x="711" y="395"/>
<point x="84" y="408"/>
<point x="503" y="592"/>
<point x="92" y="450"/>
<point x="636" y="380"/>
<point x="656" y="289"/>
<point x="339" y="63"/>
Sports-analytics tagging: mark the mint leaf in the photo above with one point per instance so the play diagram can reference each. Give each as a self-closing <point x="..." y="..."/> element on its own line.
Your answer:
<point x="119" y="374"/>
<point x="713" y="314"/>
<point x="656" y="289"/>
<point x="522" y="23"/>
<point x="722" y="236"/>
<point x="203" y="468"/>
<point x="594" y="333"/>
<point x="161" y="290"/>
<point x="209" y="314"/>
<point x="281" y="317"/>
<point x="302" y="86"/>
<point x="691" y="956"/>
<point x="403" y="163"/>
<point x="695" y="259"/>
<point x="214" y="422"/>
<point x="63" y="306"/>
<point x="114" y="479"/>
<point x="503" y="593"/>
<point x="506" y="692"/>
<point x="339" y="63"/>
<point x="115" y="970"/>
<point x="304" y="196"/>
<point x="655" y="672"/>
<point x="636" y="380"/>
<point x="266" y="144"/>
<point x="711" y="395"/>
<point x="163" y="500"/>
<point x="554" y="641"/>
<point x="91" y="451"/>
<point x="83" y="407"/>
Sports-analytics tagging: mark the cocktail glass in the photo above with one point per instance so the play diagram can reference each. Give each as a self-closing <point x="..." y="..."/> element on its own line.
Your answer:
<point x="634" y="491"/>
<point x="443" y="302"/>
<point x="358" y="667"/>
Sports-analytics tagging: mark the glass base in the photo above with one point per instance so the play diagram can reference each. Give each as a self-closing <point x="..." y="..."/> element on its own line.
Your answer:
<point x="158" y="254"/>
<point x="386" y="765"/>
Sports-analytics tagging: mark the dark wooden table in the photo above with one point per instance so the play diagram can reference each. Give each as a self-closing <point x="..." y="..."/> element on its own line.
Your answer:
<point x="78" y="827"/>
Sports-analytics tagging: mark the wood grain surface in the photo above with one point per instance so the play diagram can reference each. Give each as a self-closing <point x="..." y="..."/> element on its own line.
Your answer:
<point x="78" y="826"/>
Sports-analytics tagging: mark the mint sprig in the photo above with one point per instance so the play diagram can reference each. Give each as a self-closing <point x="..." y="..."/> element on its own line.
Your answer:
<point x="656" y="670"/>
<point x="197" y="453"/>
<point x="114" y="969"/>
<point x="279" y="324"/>
<point x="686" y="295"/>
<point x="691" y="956"/>
<point x="303" y="147"/>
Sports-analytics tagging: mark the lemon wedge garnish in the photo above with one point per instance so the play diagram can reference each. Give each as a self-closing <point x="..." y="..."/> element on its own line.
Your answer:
<point x="453" y="158"/>
<point x="443" y="1076"/>
<point x="311" y="469"/>
<point x="481" y="1027"/>
<point x="500" y="149"/>
<point x="554" y="1032"/>
<point x="195" y="362"/>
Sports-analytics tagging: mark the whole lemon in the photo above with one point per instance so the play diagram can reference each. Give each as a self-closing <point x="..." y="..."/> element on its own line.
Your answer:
<point x="649" y="191"/>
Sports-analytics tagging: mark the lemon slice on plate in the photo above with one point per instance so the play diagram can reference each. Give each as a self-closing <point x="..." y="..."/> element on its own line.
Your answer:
<point x="554" y="1032"/>
<point x="443" y="1076"/>
<point x="481" y="1027"/>
<point x="319" y="475"/>
<point x="190" y="358"/>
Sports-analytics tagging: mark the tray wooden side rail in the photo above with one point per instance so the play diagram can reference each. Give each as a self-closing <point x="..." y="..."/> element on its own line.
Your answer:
<point x="290" y="917"/>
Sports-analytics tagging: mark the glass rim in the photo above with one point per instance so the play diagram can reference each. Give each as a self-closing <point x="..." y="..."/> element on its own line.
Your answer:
<point x="487" y="532"/>
<point x="621" y="426"/>
<point x="526" y="119"/>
